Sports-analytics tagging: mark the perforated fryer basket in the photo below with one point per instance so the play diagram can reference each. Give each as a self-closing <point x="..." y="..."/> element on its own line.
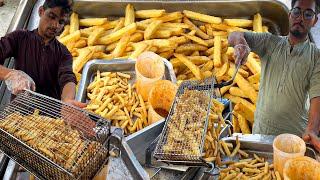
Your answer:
<point x="188" y="150"/>
<point x="51" y="139"/>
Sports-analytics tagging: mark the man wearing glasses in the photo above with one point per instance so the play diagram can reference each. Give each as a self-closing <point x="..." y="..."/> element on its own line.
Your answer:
<point x="290" y="75"/>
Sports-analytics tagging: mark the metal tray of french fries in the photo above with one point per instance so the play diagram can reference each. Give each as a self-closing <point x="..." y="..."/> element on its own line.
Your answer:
<point x="115" y="67"/>
<point x="183" y="136"/>
<point x="274" y="12"/>
<point x="260" y="145"/>
<point x="51" y="139"/>
<point x="252" y="159"/>
<point x="124" y="66"/>
<point x="256" y="158"/>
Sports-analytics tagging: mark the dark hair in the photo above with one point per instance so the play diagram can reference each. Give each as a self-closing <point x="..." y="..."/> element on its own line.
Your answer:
<point x="64" y="4"/>
<point x="293" y="2"/>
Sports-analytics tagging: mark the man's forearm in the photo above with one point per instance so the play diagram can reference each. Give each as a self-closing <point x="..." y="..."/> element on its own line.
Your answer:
<point x="69" y="91"/>
<point x="3" y="72"/>
<point x="314" y="115"/>
<point x="237" y="38"/>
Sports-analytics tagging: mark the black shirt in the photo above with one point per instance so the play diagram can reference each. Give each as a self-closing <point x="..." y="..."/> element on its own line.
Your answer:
<point x="50" y="66"/>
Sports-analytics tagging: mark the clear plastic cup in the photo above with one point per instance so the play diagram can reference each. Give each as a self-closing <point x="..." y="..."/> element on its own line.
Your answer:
<point x="286" y="147"/>
<point x="160" y="99"/>
<point x="304" y="168"/>
<point x="149" y="69"/>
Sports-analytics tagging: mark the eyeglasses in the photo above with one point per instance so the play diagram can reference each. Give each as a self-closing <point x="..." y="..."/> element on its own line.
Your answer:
<point x="308" y="14"/>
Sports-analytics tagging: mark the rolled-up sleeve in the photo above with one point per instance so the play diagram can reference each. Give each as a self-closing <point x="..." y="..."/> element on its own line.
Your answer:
<point x="314" y="90"/>
<point x="9" y="45"/>
<point x="65" y="73"/>
<point x="259" y="42"/>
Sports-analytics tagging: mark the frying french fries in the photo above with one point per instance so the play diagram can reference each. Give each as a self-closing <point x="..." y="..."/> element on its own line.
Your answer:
<point x="195" y="44"/>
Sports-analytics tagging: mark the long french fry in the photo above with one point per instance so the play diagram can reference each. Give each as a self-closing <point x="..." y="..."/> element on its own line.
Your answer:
<point x="222" y="70"/>
<point x="152" y="28"/>
<point x="81" y="43"/>
<point x="84" y="56"/>
<point x="65" y="31"/>
<point x="235" y="91"/>
<point x="252" y="64"/>
<point x="94" y="36"/>
<point x="72" y="37"/>
<point x="74" y="23"/>
<point x="190" y="47"/>
<point x="196" y="39"/>
<point x="226" y="149"/>
<point x="162" y="34"/>
<point x="202" y="17"/>
<point x="243" y="124"/>
<point x="217" y="51"/>
<point x="254" y="78"/>
<point x="236" y="149"/>
<point x="235" y="124"/>
<point x="150" y="13"/>
<point x="138" y="49"/>
<point x="92" y="21"/>
<point x="129" y="15"/>
<point x="121" y="46"/>
<point x="244" y="85"/>
<point x="194" y="69"/>
<point x="257" y="23"/>
<point x="170" y="17"/>
<point x="245" y="112"/>
<point x="238" y="22"/>
<point x="199" y="32"/>
<point x="118" y="34"/>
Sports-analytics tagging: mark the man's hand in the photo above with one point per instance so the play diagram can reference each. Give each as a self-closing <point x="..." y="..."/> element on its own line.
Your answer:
<point x="241" y="53"/>
<point x="17" y="81"/>
<point x="312" y="130"/>
<point x="78" y="119"/>
<point x="312" y="138"/>
<point x="75" y="103"/>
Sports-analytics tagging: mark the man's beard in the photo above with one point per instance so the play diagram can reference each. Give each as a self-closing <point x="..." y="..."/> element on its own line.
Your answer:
<point x="298" y="34"/>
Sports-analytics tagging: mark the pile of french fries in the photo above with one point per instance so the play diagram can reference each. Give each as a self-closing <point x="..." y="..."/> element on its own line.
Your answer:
<point x="196" y="45"/>
<point x="215" y="125"/>
<point x="248" y="168"/>
<point x="112" y="96"/>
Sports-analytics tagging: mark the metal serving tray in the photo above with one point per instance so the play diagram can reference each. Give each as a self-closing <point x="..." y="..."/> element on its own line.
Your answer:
<point x="274" y="13"/>
<point x="120" y="65"/>
<point x="262" y="145"/>
<point x="259" y="144"/>
<point x="123" y="164"/>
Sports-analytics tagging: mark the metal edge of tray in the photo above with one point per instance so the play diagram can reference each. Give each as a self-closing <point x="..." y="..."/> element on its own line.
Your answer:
<point x="257" y="142"/>
<point x="260" y="142"/>
<point x="141" y="140"/>
<point x="275" y="11"/>
<point x="117" y="141"/>
<point x="93" y="65"/>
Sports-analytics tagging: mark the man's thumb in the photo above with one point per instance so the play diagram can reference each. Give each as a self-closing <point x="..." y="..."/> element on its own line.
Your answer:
<point x="306" y="137"/>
